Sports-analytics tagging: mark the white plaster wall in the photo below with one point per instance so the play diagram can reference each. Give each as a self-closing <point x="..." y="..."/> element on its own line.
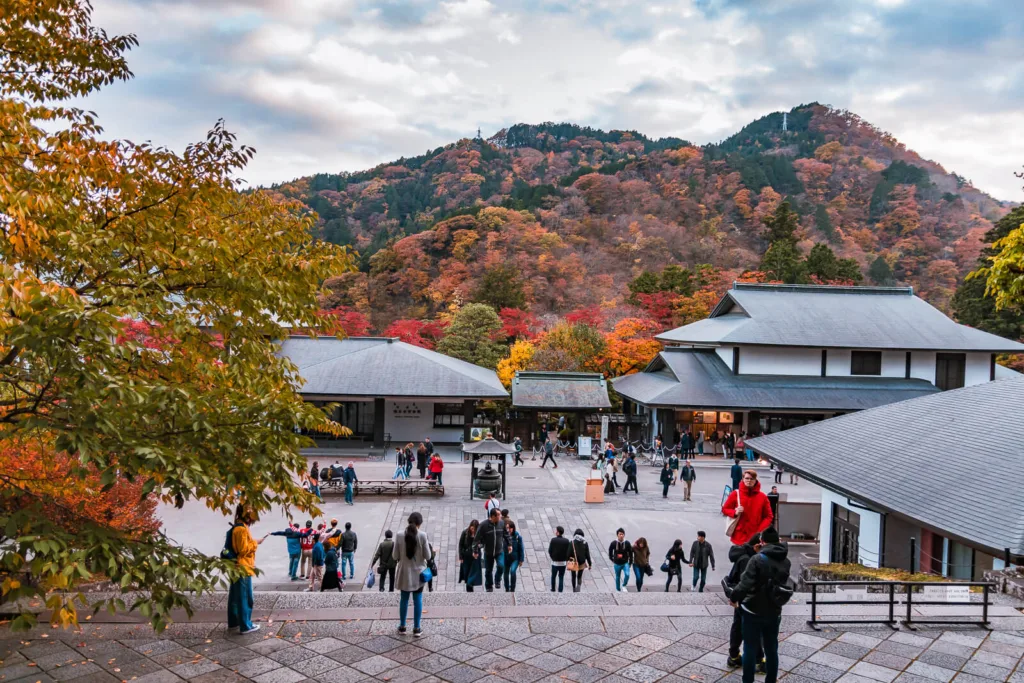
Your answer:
<point x="977" y="369"/>
<point x="405" y="427"/>
<point x="838" y="362"/>
<point x="922" y="365"/>
<point x="725" y="353"/>
<point x="776" y="360"/>
<point x="894" y="363"/>
<point x="870" y="529"/>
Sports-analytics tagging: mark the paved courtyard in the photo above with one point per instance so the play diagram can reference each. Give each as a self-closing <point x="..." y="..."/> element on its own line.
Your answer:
<point x="538" y="499"/>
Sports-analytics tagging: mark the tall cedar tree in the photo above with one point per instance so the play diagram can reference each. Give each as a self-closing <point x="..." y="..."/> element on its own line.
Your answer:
<point x="95" y="232"/>
<point x="472" y="335"/>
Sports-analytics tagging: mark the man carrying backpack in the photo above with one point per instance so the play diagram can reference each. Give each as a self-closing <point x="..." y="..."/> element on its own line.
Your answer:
<point x="762" y="591"/>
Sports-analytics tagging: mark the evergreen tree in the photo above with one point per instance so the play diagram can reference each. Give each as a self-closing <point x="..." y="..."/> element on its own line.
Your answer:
<point x="782" y="225"/>
<point x="823" y="263"/>
<point x="824" y="224"/>
<point x="500" y="287"/>
<point x="471" y="336"/>
<point x="645" y="283"/>
<point x="675" y="278"/>
<point x="783" y="262"/>
<point x="880" y="272"/>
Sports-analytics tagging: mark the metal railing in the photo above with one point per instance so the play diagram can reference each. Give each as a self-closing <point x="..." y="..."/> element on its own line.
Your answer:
<point x="896" y="593"/>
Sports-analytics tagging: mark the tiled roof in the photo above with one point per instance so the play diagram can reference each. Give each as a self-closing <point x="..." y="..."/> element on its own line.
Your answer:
<point x="569" y="390"/>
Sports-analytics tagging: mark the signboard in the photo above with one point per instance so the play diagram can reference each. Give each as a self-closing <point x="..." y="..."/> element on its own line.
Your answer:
<point x="726" y="418"/>
<point x="584" y="445"/>
<point x="946" y="593"/>
<point x="859" y="594"/>
<point x="705" y="417"/>
<point x="604" y="429"/>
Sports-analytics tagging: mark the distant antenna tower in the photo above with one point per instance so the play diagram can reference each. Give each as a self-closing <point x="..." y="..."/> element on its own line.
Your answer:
<point x="478" y="135"/>
<point x="784" y="126"/>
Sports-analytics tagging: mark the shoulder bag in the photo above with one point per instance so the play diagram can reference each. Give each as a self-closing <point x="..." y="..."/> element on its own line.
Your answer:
<point x="730" y="526"/>
<point x="573" y="564"/>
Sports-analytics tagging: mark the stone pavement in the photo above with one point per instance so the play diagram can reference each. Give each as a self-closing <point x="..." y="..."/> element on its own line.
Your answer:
<point x="612" y="649"/>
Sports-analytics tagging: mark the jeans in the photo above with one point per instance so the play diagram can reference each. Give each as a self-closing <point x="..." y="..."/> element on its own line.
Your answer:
<point x="577" y="581"/>
<point x="440" y="482"/>
<point x="631" y="484"/>
<point x="240" y="603"/>
<point x="417" y="607"/>
<point x="638" y="573"/>
<point x="621" y="572"/>
<point x="511" y="567"/>
<point x="293" y="565"/>
<point x="350" y="558"/>
<point x="390" y="572"/>
<point x="778" y="476"/>
<point x="315" y="490"/>
<point x="678" y="574"/>
<point x="664" y="489"/>
<point x="546" y="458"/>
<point x="492" y="572"/>
<point x="736" y="636"/>
<point x="408" y="470"/>
<point x="560" y="573"/>
<point x="702" y="575"/>
<point x="760" y="632"/>
<point x="348" y="493"/>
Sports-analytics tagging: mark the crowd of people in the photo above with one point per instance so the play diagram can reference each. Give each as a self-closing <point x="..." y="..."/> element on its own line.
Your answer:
<point x="424" y="458"/>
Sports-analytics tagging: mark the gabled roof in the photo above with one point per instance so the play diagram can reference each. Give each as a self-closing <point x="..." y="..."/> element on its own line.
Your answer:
<point x="903" y="458"/>
<point x="384" y="367"/>
<point x="560" y="390"/>
<point x="834" y="317"/>
<point x="698" y="378"/>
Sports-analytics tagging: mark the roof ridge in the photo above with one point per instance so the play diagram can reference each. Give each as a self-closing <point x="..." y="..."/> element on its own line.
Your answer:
<point x="827" y="289"/>
<point x="329" y="338"/>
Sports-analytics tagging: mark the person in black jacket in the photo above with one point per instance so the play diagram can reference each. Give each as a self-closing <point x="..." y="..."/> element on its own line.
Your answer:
<point x="629" y="467"/>
<point x="580" y="552"/>
<point x="469" y="564"/>
<point x="620" y="552"/>
<point x="492" y="543"/>
<point x="766" y="570"/>
<point x="701" y="553"/>
<point x="558" y="550"/>
<point x="666" y="479"/>
<point x="675" y="558"/>
<point x="739" y="555"/>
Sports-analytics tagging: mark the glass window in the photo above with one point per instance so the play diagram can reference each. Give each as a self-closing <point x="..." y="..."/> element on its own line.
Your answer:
<point x="448" y="414"/>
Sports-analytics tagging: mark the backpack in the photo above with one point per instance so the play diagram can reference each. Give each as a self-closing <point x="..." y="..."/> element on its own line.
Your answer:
<point x="228" y="552"/>
<point x="778" y="594"/>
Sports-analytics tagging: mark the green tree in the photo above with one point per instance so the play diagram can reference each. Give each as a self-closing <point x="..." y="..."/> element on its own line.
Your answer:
<point x="471" y="336"/>
<point x="675" y="278"/>
<point x="783" y="262"/>
<point x="823" y="263"/>
<point x="973" y="306"/>
<point x="96" y="236"/>
<point x="880" y="272"/>
<point x="645" y="283"/>
<point x="501" y="287"/>
<point x="823" y="223"/>
<point x="570" y="347"/>
<point x="782" y="225"/>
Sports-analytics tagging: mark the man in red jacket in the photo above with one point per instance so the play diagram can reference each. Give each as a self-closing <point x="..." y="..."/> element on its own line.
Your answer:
<point x="751" y="506"/>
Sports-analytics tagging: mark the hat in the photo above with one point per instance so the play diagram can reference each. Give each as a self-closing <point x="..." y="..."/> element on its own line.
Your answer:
<point x="770" y="535"/>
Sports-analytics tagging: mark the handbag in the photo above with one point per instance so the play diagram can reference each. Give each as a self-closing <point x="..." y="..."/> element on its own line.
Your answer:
<point x="730" y="527"/>
<point x="664" y="566"/>
<point x="426" y="576"/>
<point x="370" y="579"/>
<point x="573" y="564"/>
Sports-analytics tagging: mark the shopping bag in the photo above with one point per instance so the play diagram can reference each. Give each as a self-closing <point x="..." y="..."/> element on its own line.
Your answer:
<point x="370" y="578"/>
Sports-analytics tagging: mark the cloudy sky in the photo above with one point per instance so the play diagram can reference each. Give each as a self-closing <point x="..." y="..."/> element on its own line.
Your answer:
<point x="333" y="85"/>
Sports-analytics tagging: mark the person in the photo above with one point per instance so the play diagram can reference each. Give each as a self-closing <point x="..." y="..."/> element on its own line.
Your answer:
<point x="421" y="460"/>
<point x="437" y="469"/>
<point x="614" y="474"/>
<point x="773" y="501"/>
<point x="736" y="473"/>
<point x="549" y="453"/>
<point x="331" y="579"/>
<point x="432" y="566"/>
<point x="673" y="466"/>
<point x="314" y="471"/>
<point x="318" y="559"/>
<point x="241" y="547"/>
<point x="689" y="475"/>
<point x="629" y="467"/>
<point x="491" y="544"/>
<point x="778" y="472"/>
<point x="306" y="550"/>
<point x="685" y="444"/>
<point x="492" y="502"/>
<point x="429" y="445"/>
<point x="408" y="459"/>
<point x="609" y="485"/>
<point x="515" y="557"/>
<point x="349" y="544"/>
<point x="740" y="445"/>
<point x="469" y="564"/>
<point x="384" y="555"/>
<point x="411" y="555"/>
<point x="700" y="442"/>
<point x="666" y="480"/>
<point x="581" y="556"/>
<point x="331" y="537"/>
<point x="399" y="465"/>
<point x="518" y="445"/>
<point x="293" y="536"/>
<point x="757" y="595"/>
<point x="336" y="471"/>
<point x="751" y="506"/>
<point x="674" y="560"/>
<point x="505" y="518"/>
<point x="620" y="552"/>
<point x="739" y="555"/>
<point x="350" y="481"/>
<point x="641" y="562"/>
<point x="701" y="554"/>
<point x="558" y="550"/>
<point x="609" y="451"/>
<point x="794" y="478"/>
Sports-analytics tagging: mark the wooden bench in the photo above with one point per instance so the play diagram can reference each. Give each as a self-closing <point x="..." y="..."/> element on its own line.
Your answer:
<point x="385" y="487"/>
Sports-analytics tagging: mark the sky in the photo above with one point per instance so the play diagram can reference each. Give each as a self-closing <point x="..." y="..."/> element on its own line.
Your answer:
<point x="343" y="85"/>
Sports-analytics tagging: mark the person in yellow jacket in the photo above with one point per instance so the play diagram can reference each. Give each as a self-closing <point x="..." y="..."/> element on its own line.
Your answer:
<point x="243" y="548"/>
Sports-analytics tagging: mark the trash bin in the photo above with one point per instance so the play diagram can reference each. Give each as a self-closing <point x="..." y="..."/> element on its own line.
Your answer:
<point x="595" y="491"/>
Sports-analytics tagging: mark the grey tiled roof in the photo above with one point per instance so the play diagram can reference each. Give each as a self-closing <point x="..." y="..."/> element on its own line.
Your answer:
<point x="560" y="390"/>
<point x="698" y="378"/>
<point x="380" y="367"/>
<point x="834" y="317"/>
<point x="944" y="460"/>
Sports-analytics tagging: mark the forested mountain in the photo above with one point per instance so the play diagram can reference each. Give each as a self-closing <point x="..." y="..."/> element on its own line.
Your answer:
<point x="554" y="218"/>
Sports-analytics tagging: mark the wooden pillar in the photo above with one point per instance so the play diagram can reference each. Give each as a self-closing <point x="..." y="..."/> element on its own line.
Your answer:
<point x="667" y="422"/>
<point x="378" y="423"/>
<point x="467" y="416"/>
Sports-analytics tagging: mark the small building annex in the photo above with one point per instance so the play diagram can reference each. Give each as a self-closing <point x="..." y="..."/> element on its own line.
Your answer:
<point x="391" y="391"/>
<point x="771" y="357"/>
<point x="936" y="469"/>
<point x="568" y="393"/>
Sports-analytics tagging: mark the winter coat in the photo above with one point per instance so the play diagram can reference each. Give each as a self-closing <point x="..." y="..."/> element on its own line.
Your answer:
<point x="349" y="541"/>
<point x="314" y="472"/>
<point x="580" y="551"/>
<point x="739" y="555"/>
<point x="518" y="553"/>
<point x="294" y="539"/>
<point x="666" y="476"/>
<point x="673" y="462"/>
<point x="421" y="459"/>
<point x="675" y="566"/>
<point x="319" y="556"/>
<point x="408" y="570"/>
<point x="757" y="512"/>
<point x="466" y="542"/>
<point x="384" y="554"/>
<point x="245" y="548"/>
<point x="771" y="564"/>
<point x="492" y="539"/>
<point x="688" y="473"/>
<point x="641" y="556"/>
<point x="330" y="561"/>
<point x="620" y="552"/>
<point x="350" y="475"/>
<point x="436" y="465"/>
<point x="629" y="467"/>
<point x="430" y="447"/>
<point x="549" y="448"/>
<point x="736" y="472"/>
<point x="701" y="554"/>
<point x="559" y="549"/>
